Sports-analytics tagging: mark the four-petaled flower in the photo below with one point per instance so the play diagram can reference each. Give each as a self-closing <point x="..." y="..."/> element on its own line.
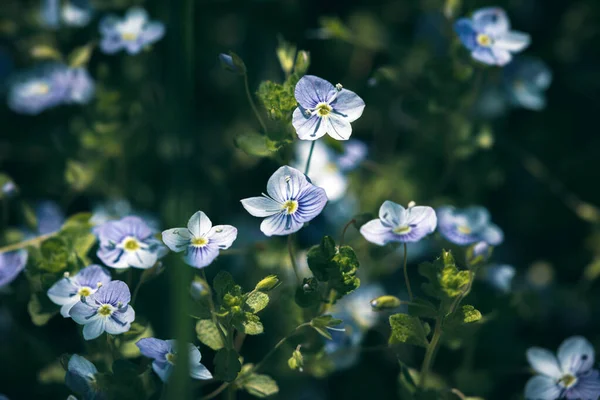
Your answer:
<point x="128" y="242"/>
<point x="399" y="224"/>
<point x="526" y="80"/>
<point x="200" y="241"/>
<point x="568" y="375"/>
<point x="106" y="310"/>
<point x="132" y="33"/>
<point x="11" y="265"/>
<point x="324" y="108"/>
<point x="291" y="201"/>
<point x="489" y="38"/>
<point x="81" y="378"/>
<point x="467" y="226"/>
<point x="69" y="290"/>
<point x="164" y="353"/>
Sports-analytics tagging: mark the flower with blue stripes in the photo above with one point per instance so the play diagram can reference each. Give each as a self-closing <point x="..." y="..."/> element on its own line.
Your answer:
<point x="81" y="378"/>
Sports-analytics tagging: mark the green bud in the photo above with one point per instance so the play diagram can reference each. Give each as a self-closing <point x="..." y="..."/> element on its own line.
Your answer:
<point x="296" y="362"/>
<point x="231" y="301"/>
<point x="267" y="284"/>
<point x="236" y="309"/>
<point x="302" y="62"/>
<point x="232" y="62"/>
<point x="286" y="53"/>
<point x="385" y="303"/>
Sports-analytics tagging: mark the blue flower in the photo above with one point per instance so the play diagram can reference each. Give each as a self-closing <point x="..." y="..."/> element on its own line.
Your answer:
<point x="11" y="264"/>
<point x="128" y="242"/>
<point x="132" y="33"/>
<point x="81" y="87"/>
<point x="357" y="305"/>
<point x="77" y="13"/>
<point x="164" y="354"/>
<point x="50" y="13"/>
<point x="354" y="153"/>
<point x="68" y="291"/>
<point x="489" y="38"/>
<point x="569" y="375"/>
<point x="500" y="276"/>
<point x="526" y="80"/>
<point x="467" y="226"/>
<point x="50" y="217"/>
<point x="81" y="378"/>
<point x="397" y="224"/>
<point x="107" y="310"/>
<point x="324" y="108"/>
<point x="200" y="241"/>
<point x="118" y="208"/>
<point x="291" y="201"/>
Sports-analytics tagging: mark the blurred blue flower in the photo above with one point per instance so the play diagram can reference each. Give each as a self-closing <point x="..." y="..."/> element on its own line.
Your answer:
<point x="68" y="291"/>
<point x="132" y="33"/>
<point x="468" y="225"/>
<point x="291" y="201"/>
<point x="324" y="108"/>
<point x="77" y="13"/>
<point x="81" y="378"/>
<point x="50" y="217"/>
<point x="107" y="310"/>
<point x="357" y="305"/>
<point x="9" y="189"/>
<point x="568" y="375"/>
<point x="200" y="241"/>
<point x="81" y="86"/>
<point x="128" y="242"/>
<point x="526" y="80"/>
<point x="11" y="264"/>
<point x="500" y="276"/>
<point x="118" y="208"/>
<point x="397" y="224"/>
<point x="488" y="36"/>
<point x="354" y="153"/>
<point x="50" y="13"/>
<point x="164" y="354"/>
<point x="197" y="289"/>
<point x="343" y="348"/>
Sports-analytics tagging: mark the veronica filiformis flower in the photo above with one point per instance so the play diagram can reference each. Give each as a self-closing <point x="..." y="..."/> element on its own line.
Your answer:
<point x="81" y="378"/>
<point x="131" y="33"/>
<point x="468" y="225"/>
<point x="11" y="265"/>
<point x="526" y="80"/>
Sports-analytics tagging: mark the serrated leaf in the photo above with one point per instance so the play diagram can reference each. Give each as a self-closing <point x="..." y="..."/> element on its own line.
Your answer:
<point x="261" y="386"/>
<point x="407" y="329"/>
<point x="54" y="255"/>
<point x="208" y="333"/>
<point x="223" y="283"/>
<point x="257" y="301"/>
<point x="227" y="365"/>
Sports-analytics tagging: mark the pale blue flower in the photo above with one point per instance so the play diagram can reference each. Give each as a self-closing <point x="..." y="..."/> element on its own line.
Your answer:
<point x="197" y="289"/>
<point x="290" y="202"/>
<point x="354" y="153"/>
<point x="107" y="310"/>
<point x="399" y="224"/>
<point x="69" y="290"/>
<point x="118" y="208"/>
<point x="568" y="375"/>
<point x="200" y="241"/>
<point x="357" y="305"/>
<point x="132" y="33"/>
<point x="50" y="13"/>
<point x="468" y="225"/>
<point x="81" y="87"/>
<point x="500" y="276"/>
<point x="9" y="189"/>
<point x="526" y="80"/>
<point x="49" y="216"/>
<point x="39" y="89"/>
<point x="81" y="378"/>
<point x="11" y="265"/>
<point x="77" y="13"/>
<point x="488" y="36"/>
<point x="324" y="170"/>
<point x="164" y="354"/>
<point x="324" y="108"/>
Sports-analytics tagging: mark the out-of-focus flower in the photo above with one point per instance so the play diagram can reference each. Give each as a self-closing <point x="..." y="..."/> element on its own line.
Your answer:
<point x="132" y="33"/>
<point x="500" y="276"/>
<point x="526" y="80"/>
<point x="76" y="13"/>
<point x="107" y="310"/>
<point x="200" y="241"/>
<point x="50" y="217"/>
<point x="568" y="375"/>
<point x="119" y="208"/>
<point x="68" y="291"/>
<point x="358" y="305"/>
<point x="11" y="264"/>
<point x="324" y="108"/>
<point x="164" y="354"/>
<point x="488" y="36"/>
<point x="343" y="346"/>
<point x="81" y="86"/>
<point x="50" y="13"/>
<point x="468" y="225"/>
<point x="81" y="378"/>
<point x="292" y="200"/>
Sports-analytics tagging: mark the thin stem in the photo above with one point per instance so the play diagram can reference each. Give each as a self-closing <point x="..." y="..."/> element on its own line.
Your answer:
<point x="458" y="393"/>
<point x="212" y="308"/>
<point x="330" y="299"/>
<point x="292" y="258"/>
<point x="310" y="153"/>
<point x="31" y="242"/>
<point x="137" y="290"/>
<point x="278" y="345"/>
<point x="410" y="295"/>
<point x="352" y="221"/>
<point x="262" y="123"/>
<point x="216" y="392"/>
<point x="428" y="360"/>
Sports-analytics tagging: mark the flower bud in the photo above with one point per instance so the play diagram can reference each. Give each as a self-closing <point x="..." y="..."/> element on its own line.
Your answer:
<point x="302" y="62"/>
<point x="296" y="362"/>
<point x="232" y="62"/>
<point x="385" y="302"/>
<point x="268" y="283"/>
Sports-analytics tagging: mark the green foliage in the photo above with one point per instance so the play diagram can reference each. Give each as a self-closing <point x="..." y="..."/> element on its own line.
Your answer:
<point x="286" y="54"/>
<point x="223" y="284"/>
<point x="465" y="315"/>
<point x="422" y="308"/>
<point x="257" y="301"/>
<point x="296" y="361"/>
<point x="248" y="323"/>
<point x="227" y="365"/>
<point x="259" y="385"/>
<point x="407" y="329"/>
<point x="208" y="333"/>
<point x="53" y="255"/>
<point x="40" y="309"/>
<point x="278" y="99"/>
<point x="268" y="283"/>
<point x="445" y="280"/>
<point x="386" y="302"/>
<point x="79" y="175"/>
<point x="307" y="295"/>
<point x="322" y="323"/>
<point x="258" y="145"/>
<point x="80" y="56"/>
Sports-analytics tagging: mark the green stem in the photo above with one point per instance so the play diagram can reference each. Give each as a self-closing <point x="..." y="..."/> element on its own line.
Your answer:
<point x="292" y="258"/>
<point x="310" y="153"/>
<point x="31" y="242"/>
<point x="262" y="123"/>
<point x="211" y="304"/>
<point x="216" y="392"/>
<point x="429" y="353"/>
<point x="352" y="221"/>
<point x="136" y="290"/>
<point x="410" y="295"/>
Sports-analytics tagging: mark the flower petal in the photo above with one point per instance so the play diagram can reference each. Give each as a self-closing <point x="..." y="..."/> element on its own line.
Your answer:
<point x="111" y="44"/>
<point x="222" y="236"/>
<point x="493" y="235"/>
<point x="11" y="264"/>
<point x="393" y="214"/>
<point x="280" y="225"/>
<point x="152" y="32"/>
<point x="484" y="55"/>
<point x="587" y="386"/>
<point x="82" y="313"/>
<point x="113" y="257"/>
<point x="153" y="348"/>
<point x="64" y="292"/>
<point x="512" y="41"/>
<point x="286" y="184"/>
<point x="542" y="388"/>
<point x="576" y="355"/>
<point x="355" y="152"/>
<point x="142" y="258"/>
<point x="491" y="20"/>
<point x="163" y="370"/>
<point x="81" y="366"/>
<point x="261" y="206"/>
<point x="120" y="322"/>
<point x="199" y="371"/>
<point x="201" y="257"/>
<point x="466" y="33"/>
<point x="108" y="24"/>
<point x="338" y="127"/>
<point x="311" y="90"/>
<point x="308" y="127"/>
<point x="311" y="202"/>
<point x="91" y="275"/>
<point x="334" y="183"/>
<point x="199" y="224"/>
<point x="376" y="232"/>
<point x="113" y="293"/>
<point x="544" y="362"/>
<point x="94" y="328"/>
<point x="348" y="104"/>
<point x="176" y="239"/>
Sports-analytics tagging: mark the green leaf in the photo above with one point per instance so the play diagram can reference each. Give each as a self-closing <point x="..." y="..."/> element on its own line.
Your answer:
<point x="208" y="333"/>
<point x="445" y="280"/>
<point x="302" y="62"/>
<point x="286" y="53"/>
<point x="81" y="56"/>
<point x="223" y="284"/>
<point x="45" y="52"/>
<point x="259" y="385"/>
<point x="407" y="329"/>
<point x="278" y="99"/>
<point x="319" y="258"/>
<point x="227" y="365"/>
<point x="257" y="301"/>
<point x="258" y="145"/>
<point x="54" y="255"/>
<point x="422" y="308"/>
<point x="324" y="322"/>
<point x="296" y="361"/>
<point x="268" y="283"/>
<point x="467" y="314"/>
<point x="307" y="295"/>
<point x="78" y="175"/>
<point x="40" y="310"/>
<point x="248" y="323"/>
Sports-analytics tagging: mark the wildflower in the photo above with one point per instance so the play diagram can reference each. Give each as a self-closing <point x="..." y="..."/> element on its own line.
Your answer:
<point x="81" y="86"/>
<point x="164" y="353"/>
<point x="106" y="310"/>
<point x="500" y="276"/>
<point x="291" y="201"/>
<point x="488" y="36"/>
<point x="128" y="242"/>
<point x="399" y="224"/>
<point x="354" y="153"/>
<point x="39" y="89"/>
<point x="81" y="378"/>
<point x="11" y="264"/>
<point x="569" y="375"/>
<point x="200" y="241"/>
<point x="324" y="108"/>
<point x="132" y="33"/>
<point x="77" y="13"/>
<point x="526" y="80"/>
<point x="357" y="305"/>
<point x="49" y="216"/>
<point x="467" y="226"/>
<point x="68" y="291"/>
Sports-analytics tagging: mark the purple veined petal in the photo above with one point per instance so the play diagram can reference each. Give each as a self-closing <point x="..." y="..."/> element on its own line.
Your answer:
<point x="493" y="235"/>
<point x="142" y="258"/>
<point x="576" y="355"/>
<point x="92" y="275"/>
<point x="113" y="257"/>
<point x="222" y="236"/>
<point x="11" y="265"/>
<point x="194" y="354"/>
<point x="542" y="388"/>
<point x="466" y="33"/>
<point x="199" y="224"/>
<point x="393" y="214"/>
<point x="152" y="32"/>
<point x="376" y="232"/>
<point x="176" y="239"/>
<point x="163" y="370"/>
<point x="484" y="55"/>
<point x="422" y="216"/>
<point x="153" y="348"/>
<point x="544" y="362"/>
<point x="65" y="309"/>
<point x="491" y="20"/>
<point x="94" y="328"/>
<point x="199" y="371"/>
<point x="200" y="257"/>
<point x="120" y="321"/>
<point x="311" y="202"/>
<point x="286" y="184"/>
<point x="112" y="293"/>
<point x="348" y="104"/>
<point x="312" y="90"/>
<point x="338" y="127"/>
<point x="64" y="291"/>
<point x="308" y="127"/>
<point x="587" y="386"/>
<point x="108" y="25"/>
<point x="83" y="313"/>
<point x="512" y="41"/>
<point x="261" y="206"/>
<point x="280" y="225"/>
<point x="111" y="43"/>
<point x="111" y="232"/>
<point x="81" y="366"/>
<point x="136" y="227"/>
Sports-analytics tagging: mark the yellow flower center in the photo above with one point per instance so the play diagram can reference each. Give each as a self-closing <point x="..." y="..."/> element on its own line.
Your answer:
<point x="199" y="242"/>
<point x="568" y="380"/>
<point x="171" y="358"/>
<point x="105" y="310"/>
<point x="131" y="244"/>
<point x="323" y="109"/>
<point x="290" y="206"/>
<point x="402" y="230"/>
<point x="41" y="88"/>
<point x="484" y="40"/>
<point x="465" y="230"/>
<point x="128" y="36"/>
<point x="330" y="167"/>
<point x="84" y="291"/>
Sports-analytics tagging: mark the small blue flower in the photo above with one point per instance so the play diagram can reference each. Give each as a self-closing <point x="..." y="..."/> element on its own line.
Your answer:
<point x="81" y="87"/>
<point x="568" y="375"/>
<point x="68" y="291"/>
<point x="357" y="305"/>
<point x="128" y="242"/>
<point x="354" y="154"/>
<point x="468" y="225"/>
<point x="50" y="13"/>
<point x="81" y="378"/>
<point x="197" y="289"/>
<point x="500" y="276"/>
<point x="11" y="264"/>
<point x="526" y="80"/>
<point x="200" y="241"/>
<point x="324" y="108"/>
<point x="488" y="36"/>
<point x="39" y="89"/>
<point x="399" y="224"/>
<point x="107" y="310"/>
<point x="49" y="216"/>
<point x="291" y="201"/>
<point x="164" y="354"/>
<point x="77" y="13"/>
<point x="132" y="33"/>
